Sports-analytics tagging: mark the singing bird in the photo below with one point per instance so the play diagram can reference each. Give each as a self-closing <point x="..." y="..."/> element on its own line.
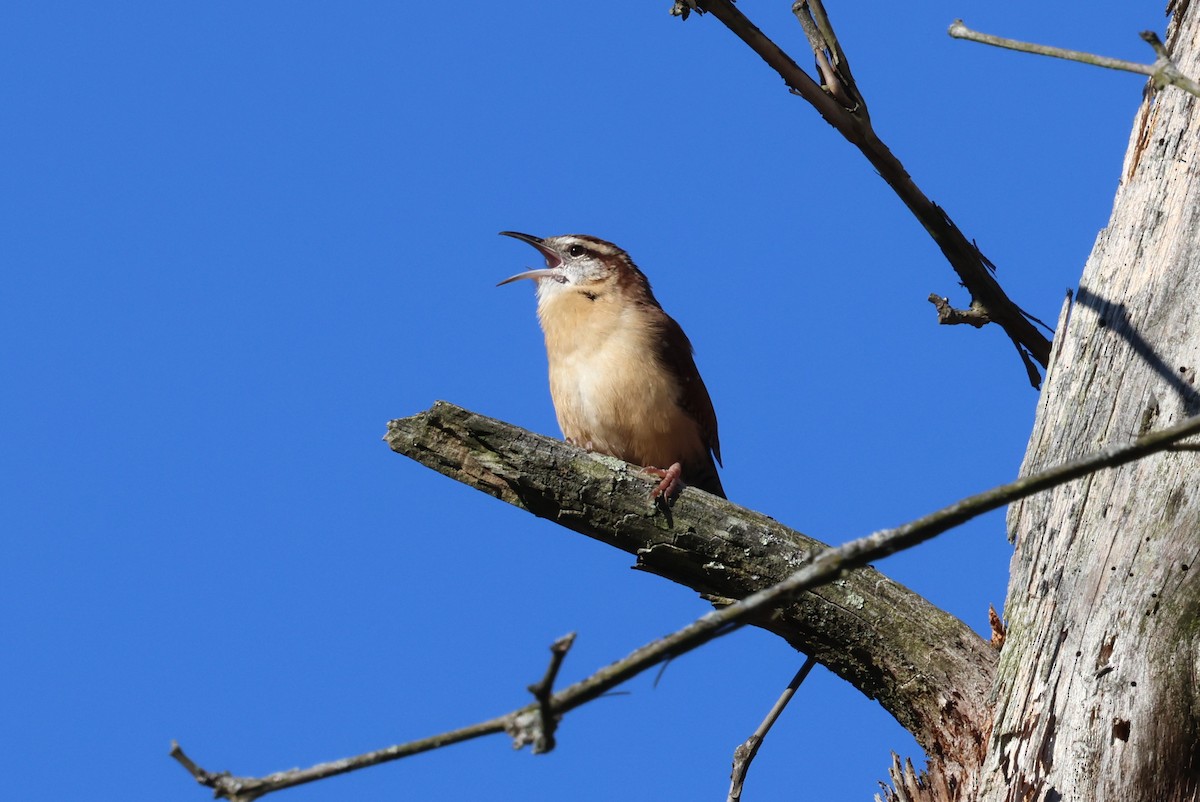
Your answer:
<point x="622" y="376"/>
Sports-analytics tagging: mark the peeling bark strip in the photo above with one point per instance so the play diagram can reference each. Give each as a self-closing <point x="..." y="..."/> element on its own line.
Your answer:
<point x="927" y="668"/>
<point x="1097" y="684"/>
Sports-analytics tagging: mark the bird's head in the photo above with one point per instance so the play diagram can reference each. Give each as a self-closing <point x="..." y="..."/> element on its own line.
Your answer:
<point x="580" y="263"/>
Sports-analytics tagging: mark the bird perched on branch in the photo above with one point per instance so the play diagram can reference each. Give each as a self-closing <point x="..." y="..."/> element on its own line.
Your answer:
<point x="622" y="376"/>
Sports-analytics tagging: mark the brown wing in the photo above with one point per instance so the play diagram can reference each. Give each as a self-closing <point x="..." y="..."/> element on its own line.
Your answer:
<point x="675" y="353"/>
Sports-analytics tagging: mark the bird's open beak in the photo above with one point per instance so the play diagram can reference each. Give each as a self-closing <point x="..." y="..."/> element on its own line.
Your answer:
<point x="553" y="260"/>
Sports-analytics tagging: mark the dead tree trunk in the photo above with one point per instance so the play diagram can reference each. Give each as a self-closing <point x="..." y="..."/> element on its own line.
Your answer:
<point x="1097" y="689"/>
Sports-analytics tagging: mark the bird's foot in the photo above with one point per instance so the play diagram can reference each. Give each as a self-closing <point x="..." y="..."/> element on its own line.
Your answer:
<point x="588" y="446"/>
<point x="671" y="484"/>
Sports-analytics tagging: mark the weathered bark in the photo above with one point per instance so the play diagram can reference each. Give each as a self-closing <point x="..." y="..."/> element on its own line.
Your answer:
<point x="1097" y="689"/>
<point x="927" y="668"/>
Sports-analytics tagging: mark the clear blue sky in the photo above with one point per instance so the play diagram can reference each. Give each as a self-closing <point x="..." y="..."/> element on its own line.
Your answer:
<point x="238" y="238"/>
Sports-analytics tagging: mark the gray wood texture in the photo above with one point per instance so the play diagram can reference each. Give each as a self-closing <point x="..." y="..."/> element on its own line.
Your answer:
<point x="1098" y="688"/>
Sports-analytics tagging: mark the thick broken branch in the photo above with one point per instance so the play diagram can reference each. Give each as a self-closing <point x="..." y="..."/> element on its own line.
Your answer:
<point x="923" y="665"/>
<point x="829" y="567"/>
<point x="926" y="667"/>
<point x="608" y="499"/>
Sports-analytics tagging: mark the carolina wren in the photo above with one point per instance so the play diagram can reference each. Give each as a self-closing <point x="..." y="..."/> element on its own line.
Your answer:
<point x="622" y="376"/>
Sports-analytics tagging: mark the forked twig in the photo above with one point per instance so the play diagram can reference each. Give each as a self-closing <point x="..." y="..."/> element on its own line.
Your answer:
<point x="1162" y="72"/>
<point x="543" y="691"/>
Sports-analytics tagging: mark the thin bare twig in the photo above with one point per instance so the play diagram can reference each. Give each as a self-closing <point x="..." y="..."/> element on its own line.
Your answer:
<point x="1162" y="72"/>
<point x="532" y="724"/>
<point x="745" y="753"/>
<point x="825" y="567"/>
<point x="247" y="789"/>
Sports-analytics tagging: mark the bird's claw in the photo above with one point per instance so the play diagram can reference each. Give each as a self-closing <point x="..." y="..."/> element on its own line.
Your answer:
<point x="671" y="484"/>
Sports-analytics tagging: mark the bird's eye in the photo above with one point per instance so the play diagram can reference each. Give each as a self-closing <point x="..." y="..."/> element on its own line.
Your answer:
<point x="576" y="250"/>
